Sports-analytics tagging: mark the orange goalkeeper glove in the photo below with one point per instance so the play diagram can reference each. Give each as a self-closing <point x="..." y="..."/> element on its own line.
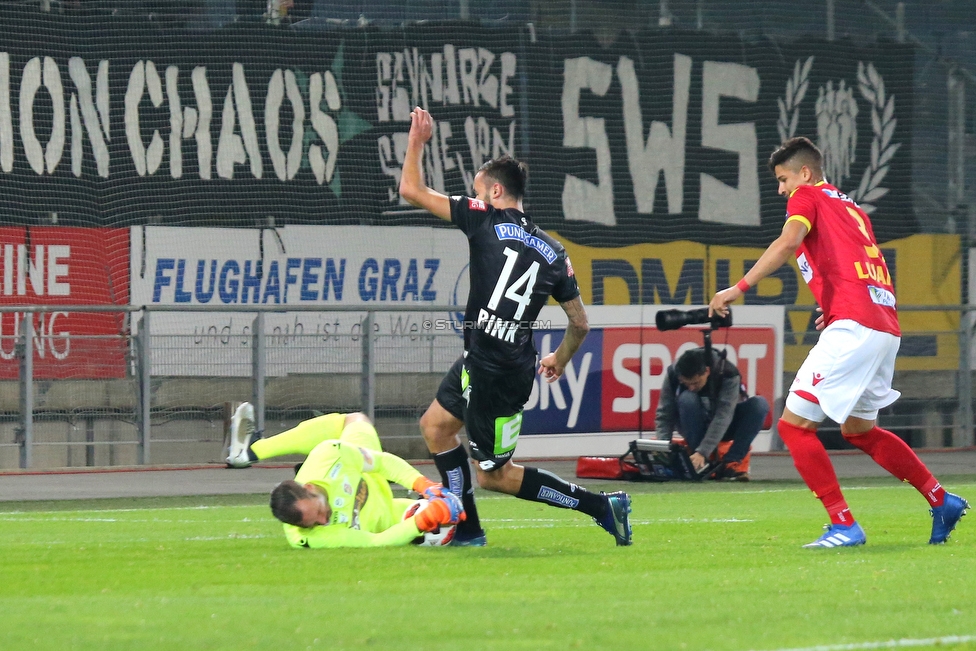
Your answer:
<point x="427" y="488"/>
<point x="440" y="511"/>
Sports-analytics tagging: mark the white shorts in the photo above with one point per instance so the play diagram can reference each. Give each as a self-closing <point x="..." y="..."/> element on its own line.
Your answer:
<point x="848" y="373"/>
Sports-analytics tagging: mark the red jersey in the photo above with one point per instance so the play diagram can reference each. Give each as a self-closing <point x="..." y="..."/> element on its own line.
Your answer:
<point x="840" y="260"/>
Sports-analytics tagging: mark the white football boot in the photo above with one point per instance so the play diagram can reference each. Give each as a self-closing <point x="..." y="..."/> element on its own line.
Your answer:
<point x="241" y="433"/>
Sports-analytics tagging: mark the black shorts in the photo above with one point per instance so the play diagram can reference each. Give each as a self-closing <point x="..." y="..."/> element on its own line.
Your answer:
<point x="490" y="404"/>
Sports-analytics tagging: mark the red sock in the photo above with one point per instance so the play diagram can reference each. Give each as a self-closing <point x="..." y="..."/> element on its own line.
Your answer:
<point x="894" y="455"/>
<point x="813" y="464"/>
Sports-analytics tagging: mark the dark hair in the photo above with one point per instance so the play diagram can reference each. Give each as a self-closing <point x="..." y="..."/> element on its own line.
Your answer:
<point x="692" y="363"/>
<point x="283" y="498"/>
<point x="801" y="149"/>
<point x="513" y="175"/>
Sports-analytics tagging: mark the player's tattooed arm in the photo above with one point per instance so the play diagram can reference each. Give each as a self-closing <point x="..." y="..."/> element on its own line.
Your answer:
<point x="551" y="366"/>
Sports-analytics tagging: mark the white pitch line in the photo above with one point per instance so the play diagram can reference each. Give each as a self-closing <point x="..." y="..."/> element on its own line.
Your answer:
<point x="632" y="520"/>
<point x="890" y="644"/>
<point x="153" y="508"/>
<point x="565" y="524"/>
<point x="231" y="536"/>
<point x="123" y="520"/>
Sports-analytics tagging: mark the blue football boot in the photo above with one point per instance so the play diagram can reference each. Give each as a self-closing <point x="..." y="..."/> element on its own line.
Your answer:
<point x="946" y="517"/>
<point x="616" y="520"/>
<point x="838" y="535"/>
<point x="476" y="539"/>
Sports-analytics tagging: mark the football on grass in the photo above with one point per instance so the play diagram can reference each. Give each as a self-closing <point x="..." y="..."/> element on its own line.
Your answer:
<point x="439" y="537"/>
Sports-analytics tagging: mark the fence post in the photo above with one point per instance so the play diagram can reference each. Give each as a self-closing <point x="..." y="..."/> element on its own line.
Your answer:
<point x="24" y="434"/>
<point x="258" y="369"/>
<point x="831" y="23"/>
<point x="144" y="366"/>
<point x="900" y="22"/>
<point x="368" y="400"/>
<point x="964" y="432"/>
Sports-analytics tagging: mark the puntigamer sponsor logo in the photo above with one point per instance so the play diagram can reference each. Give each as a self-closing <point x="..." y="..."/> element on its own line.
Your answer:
<point x="555" y="497"/>
<point x="513" y="232"/>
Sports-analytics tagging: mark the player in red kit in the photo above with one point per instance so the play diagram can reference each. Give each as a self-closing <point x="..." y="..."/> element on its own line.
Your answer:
<point x="847" y="375"/>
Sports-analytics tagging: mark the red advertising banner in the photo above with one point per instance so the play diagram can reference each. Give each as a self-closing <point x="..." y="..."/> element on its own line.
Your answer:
<point x="49" y="265"/>
<point x="636" y="360"/>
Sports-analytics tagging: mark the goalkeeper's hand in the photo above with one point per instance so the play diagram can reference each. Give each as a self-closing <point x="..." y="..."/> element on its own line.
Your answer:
<point x="440" y="511"/>
<point x="429" y="489"/>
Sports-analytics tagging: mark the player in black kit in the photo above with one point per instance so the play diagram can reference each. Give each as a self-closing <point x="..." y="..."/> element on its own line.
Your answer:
<point x="515" y="268"/>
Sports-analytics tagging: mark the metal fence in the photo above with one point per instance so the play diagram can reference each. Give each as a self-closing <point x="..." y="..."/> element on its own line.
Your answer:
<point x="173" y="400"/>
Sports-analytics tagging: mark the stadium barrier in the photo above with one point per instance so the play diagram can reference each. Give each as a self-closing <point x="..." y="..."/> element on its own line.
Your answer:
<point x="138" y="396"/>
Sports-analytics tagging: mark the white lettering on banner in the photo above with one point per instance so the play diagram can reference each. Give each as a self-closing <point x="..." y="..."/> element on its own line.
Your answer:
<point x="642" y="384"/>
<point x="646" y="381"/>
<point x="96" y="123"/>
<point x="189" y="121"/>
<point x="576" y="381"/>
<point x="324" y="125"/>
<point x="18" y="268"/>
<point x="752" y="353"/>
<point x="48" y="157"/>
<point x="284" y="168"/>
<point x="88" y="110"/>
<point x="45" y="338"/>
<point x="142" y="77"/>
<point x="720" y="202"/>
<point x="175" y="122"/>
<point x="465" y="76"/>
<point x="663" y="150"/>
<point x="638" y="388"/>
<point x="201" y="91"/>
<point x="233" y="148"/>
<point x="582" y="200"/>
<point x="427" y="74"/>
<point x="6" y="118"/>
<point x="546" y="387"/>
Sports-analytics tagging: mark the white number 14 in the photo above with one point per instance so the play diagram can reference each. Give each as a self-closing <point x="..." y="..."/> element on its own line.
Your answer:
<point x="527" y="279"/>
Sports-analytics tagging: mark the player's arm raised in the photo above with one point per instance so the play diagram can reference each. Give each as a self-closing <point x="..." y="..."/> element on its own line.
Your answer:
<point x="782" y="249"/>
<point x="412" y="186"/>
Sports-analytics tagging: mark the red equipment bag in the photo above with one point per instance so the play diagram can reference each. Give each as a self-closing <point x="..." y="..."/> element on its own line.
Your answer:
<point x="605" y="468"/>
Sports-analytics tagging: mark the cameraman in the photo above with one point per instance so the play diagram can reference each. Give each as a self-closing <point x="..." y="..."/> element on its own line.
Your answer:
<point x="704" y="400"/>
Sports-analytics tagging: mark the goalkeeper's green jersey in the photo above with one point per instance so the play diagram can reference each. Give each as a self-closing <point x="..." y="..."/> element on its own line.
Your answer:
<point x="363" y="510"/>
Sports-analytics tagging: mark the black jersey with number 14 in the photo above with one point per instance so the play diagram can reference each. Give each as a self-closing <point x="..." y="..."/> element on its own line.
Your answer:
<point x="515" y="268"/>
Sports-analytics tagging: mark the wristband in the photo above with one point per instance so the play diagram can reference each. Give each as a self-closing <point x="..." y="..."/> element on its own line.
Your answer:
<point x="743" y="285"/>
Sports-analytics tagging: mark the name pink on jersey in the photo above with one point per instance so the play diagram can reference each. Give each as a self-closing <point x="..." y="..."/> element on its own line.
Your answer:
<point x="840" y="260"/>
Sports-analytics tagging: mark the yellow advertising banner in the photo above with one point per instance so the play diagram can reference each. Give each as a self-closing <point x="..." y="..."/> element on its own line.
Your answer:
<point x="925" y="270"/>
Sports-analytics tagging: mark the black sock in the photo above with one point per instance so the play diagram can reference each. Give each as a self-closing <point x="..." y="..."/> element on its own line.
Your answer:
<point x="542" y="486"/>
<point x="456" y="476"/>
<point x="254" y="437"/>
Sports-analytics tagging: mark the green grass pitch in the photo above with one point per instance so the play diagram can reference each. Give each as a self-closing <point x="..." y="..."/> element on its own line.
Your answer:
<point x="712" y="567"/>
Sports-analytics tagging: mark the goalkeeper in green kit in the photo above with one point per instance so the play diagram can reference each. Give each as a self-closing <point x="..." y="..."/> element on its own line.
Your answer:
<point x="341" y="495"/>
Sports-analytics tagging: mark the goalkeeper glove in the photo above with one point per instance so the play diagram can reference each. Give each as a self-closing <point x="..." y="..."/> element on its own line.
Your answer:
<point x="428" y="488"/>
<point x="439" y="511"/>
